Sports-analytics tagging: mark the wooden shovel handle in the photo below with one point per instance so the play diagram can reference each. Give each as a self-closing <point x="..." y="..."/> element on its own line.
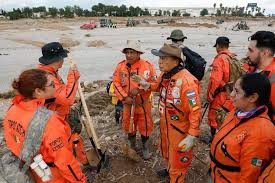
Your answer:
<point x="89" y="125"/>
<point x="131" y="127"/>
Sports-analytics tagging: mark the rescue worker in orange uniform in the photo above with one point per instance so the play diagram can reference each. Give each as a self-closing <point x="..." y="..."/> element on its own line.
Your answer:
<point x="260" y="53"/>
<point x="34" y="86"/>
<point x="51" y="61"/>
<point x="217" y="96"/>
<point x="128" y="92"/>
<point x="244" y="144"/>
<point x="179" y="109"/>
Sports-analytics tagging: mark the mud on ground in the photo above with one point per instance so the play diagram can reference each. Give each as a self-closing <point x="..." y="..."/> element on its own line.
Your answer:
<point x="112" y="138"/>
<point x="124" y="170"/>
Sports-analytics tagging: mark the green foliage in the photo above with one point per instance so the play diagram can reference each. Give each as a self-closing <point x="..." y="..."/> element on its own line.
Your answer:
<point x="53" y="12"/>
<point x="204" y="12"/>
<point x="186" y="14"/>
<point x="69" y="12"/>
<point x="176" y="13"/>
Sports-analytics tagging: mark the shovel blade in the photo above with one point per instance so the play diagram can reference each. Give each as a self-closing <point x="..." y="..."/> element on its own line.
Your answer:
<point x="93" y="157"/>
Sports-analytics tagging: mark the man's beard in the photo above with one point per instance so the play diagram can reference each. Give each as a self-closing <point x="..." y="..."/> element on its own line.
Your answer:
<point x="256" y="61"/>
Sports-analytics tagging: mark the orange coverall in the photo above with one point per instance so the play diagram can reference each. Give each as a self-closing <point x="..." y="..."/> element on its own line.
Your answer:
<point x="179" y="109"/>
<point x="55" y="148"/>
<point x="123" y="84"/>
<point x="218" y="78"/>
<point x="269" y="71"/>
<point x="242" y="148"/>
<point x="64" y="99"/>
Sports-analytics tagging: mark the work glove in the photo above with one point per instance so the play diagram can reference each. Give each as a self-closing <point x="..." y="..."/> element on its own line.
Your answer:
<point x="141" y="81"/>
<point x="128" y="100"/>
<point x="187" y="143"/>
<point x="134" y="92"/>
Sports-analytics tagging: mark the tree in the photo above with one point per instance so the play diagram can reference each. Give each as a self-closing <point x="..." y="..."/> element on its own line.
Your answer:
<point x="39" y="9"/>
<point x="122" y="10"/>
<point x="87" y="13"/>
<point x="176" y="13"/>
<point x="68" y="13"/>
<point x="146" y="12"/>
<point x="214" y="5"/>
<point x="53" y="11"/>
<point x="160" y="13"/>
<point x="78" y="11"/>
<point x="219" y="13"/>
<point x="61" y="12"/>
<point x="27" y="12"/>
<point x="204" y="12"/>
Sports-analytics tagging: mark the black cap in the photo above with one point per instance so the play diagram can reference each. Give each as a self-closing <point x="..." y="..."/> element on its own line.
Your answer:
<point x="52" y="52"/>
<point x="222" y="40"/>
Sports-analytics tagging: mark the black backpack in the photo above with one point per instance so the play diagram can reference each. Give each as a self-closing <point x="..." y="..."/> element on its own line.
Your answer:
<point x="108" y="86"/>
<point x="194" y="63"/>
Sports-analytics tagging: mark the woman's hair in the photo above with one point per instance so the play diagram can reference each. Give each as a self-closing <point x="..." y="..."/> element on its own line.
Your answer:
<point x="260" y="84"/>
<point x="29" y="80"/>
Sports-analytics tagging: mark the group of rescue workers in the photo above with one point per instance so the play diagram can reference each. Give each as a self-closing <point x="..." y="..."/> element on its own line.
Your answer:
<point x="242" y="146"/>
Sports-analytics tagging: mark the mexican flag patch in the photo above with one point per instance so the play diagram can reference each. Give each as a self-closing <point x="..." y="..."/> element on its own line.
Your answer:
<point x="192" y="102"/>
<point x="257" y="162"/>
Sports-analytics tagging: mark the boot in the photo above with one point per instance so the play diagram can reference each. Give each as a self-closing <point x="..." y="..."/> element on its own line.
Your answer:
<point x="145" y="147"/>
<point x="163" y="173"/>
<point x="132" y="140"/>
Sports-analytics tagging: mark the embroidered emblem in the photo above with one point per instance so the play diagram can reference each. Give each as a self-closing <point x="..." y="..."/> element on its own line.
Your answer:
<point x="191" y="94"/>
<point x="177" y="101"/>
<point x="172" y="83"/>
<point x="174" y="117"/>
<point x="176" y="92"/>
<point x="179" y="82"/>
<point x="257" y="162"/>
<point x="184" y="159"/>
<point x="240" y="137"/>
<point x="146" y="74"/>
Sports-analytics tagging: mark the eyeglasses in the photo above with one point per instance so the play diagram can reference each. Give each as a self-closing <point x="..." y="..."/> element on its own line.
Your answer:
<point x="51" y="85"/>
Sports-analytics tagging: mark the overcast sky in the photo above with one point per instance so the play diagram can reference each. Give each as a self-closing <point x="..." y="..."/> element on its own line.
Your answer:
<point x="269" y="5"/>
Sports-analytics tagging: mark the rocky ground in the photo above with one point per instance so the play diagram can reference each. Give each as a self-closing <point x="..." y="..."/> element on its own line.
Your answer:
<point x="112" y="138"/>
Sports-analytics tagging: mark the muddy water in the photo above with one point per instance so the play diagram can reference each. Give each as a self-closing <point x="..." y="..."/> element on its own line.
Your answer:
<point x="99" y="63"/>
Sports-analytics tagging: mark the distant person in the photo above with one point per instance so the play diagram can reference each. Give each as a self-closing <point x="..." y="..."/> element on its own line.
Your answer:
<point x="129" y="93"/>
<point x="244" y="145"/>
<point x="53" y="55"/>
<point x="217" y="95"/>
<point x="260" y="53"/>
<point x="179" y="110"/>
<point x="34" y="88"/>
<point x="115" y="101"/>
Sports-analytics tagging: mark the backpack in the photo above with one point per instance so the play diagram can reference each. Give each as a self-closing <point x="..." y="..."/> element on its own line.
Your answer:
<point x="108" y="86"/>
<point x="12" y="168"/>
<point x="194" y="63"/>
<point x="236" y="70"/>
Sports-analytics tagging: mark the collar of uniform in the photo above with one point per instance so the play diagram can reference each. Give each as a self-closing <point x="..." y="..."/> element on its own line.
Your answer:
<point x="227" y="52"/>
<point x="259" y="111"/>
<point x="135" y="65"/>
<point x="28" y="105"/>
<point x="271" y="67"/>
<point x="46" y="68"/>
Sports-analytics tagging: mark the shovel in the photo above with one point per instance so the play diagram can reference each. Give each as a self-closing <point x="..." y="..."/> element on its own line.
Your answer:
<point x="127" y="150"/>
<point x="96" y="157"/>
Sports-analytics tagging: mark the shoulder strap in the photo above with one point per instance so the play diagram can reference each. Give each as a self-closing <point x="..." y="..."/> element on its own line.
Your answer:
<point x="33" y="138"/>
